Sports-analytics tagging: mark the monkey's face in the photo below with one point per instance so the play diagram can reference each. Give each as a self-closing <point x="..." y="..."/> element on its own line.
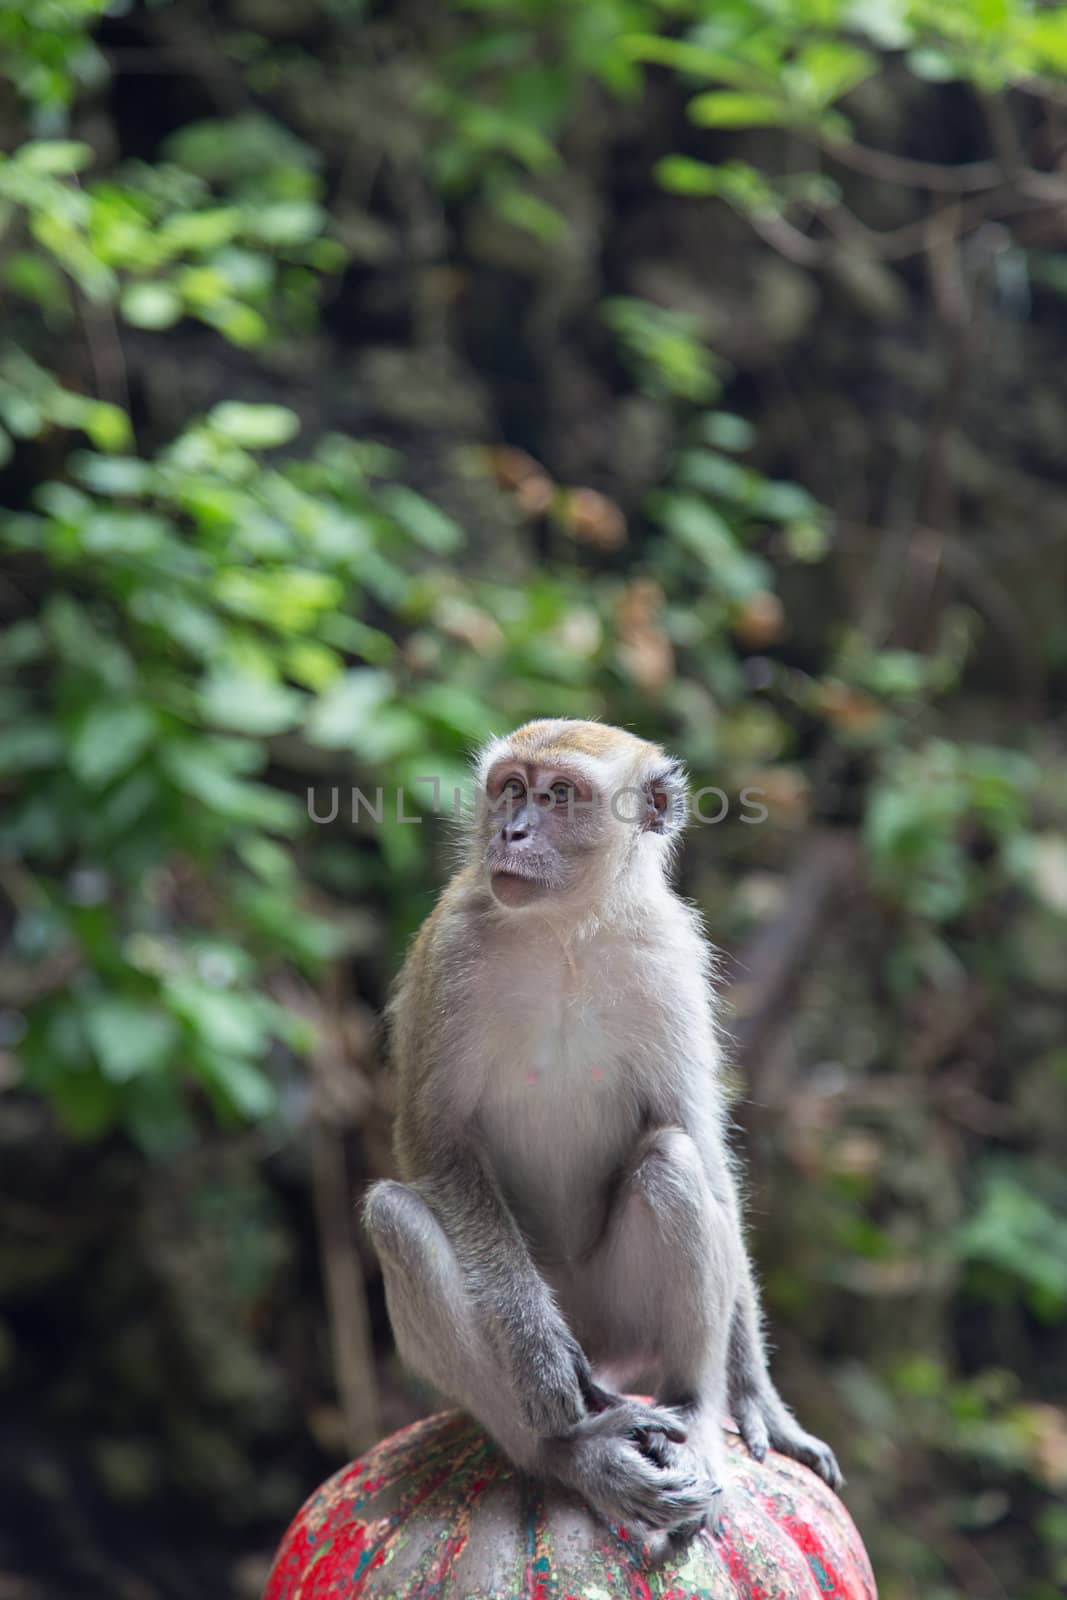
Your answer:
<point x="541" y="822"/>
<point x="564" y="809"/>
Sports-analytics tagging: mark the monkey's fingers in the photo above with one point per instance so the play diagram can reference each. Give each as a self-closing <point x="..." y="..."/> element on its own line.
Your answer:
<point x="623" y="1485"/>
<point x="625" y="1421"/>
<point x="673" y="1499"/>
<point x="792" y="1440"/>
<point x="821" y="1459"/>
<point x="654" y="1446"/>
<point x="659" y="1419"/>
<point x="643" y="1423"/>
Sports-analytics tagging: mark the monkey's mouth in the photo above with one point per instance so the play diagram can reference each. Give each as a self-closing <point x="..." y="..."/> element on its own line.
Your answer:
<point x="510" y="868"/>
<point x="513" y="883"/>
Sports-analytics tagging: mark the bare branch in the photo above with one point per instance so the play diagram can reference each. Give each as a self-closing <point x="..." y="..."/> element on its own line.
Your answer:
<point x="963" y="179"/>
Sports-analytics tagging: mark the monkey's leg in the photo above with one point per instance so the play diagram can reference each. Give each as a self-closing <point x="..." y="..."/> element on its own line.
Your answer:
<point x="762" y="1416"/>
<point x="666" y="1276"/>
<point x="431" y="1312"/>
<point x="439" y="1335"/>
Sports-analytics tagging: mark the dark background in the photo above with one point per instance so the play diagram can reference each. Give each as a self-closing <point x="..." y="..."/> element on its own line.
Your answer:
<point x="373" y="378"/>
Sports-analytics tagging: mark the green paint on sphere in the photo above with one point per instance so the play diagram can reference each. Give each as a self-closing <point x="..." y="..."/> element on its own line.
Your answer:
<point x="436" y="1512"/>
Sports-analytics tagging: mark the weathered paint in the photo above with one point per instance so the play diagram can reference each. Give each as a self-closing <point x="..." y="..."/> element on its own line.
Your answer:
<point x="436" y="1513"/>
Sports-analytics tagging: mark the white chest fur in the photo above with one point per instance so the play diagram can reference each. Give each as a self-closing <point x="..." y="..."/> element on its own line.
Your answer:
<point x="559" y="1103"/>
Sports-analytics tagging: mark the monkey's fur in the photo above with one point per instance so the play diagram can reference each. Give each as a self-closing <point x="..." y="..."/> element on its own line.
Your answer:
<point x="569" y="1217"/>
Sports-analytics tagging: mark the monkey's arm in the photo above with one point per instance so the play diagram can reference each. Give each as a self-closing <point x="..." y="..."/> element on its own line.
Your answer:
<point x="761" y="1414"/>
<point x="551" y="1376"/>
<point x="762" y="1417"/>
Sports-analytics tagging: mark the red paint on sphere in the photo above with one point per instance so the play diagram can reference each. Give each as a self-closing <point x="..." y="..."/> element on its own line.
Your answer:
<point x="437" y="1513"/>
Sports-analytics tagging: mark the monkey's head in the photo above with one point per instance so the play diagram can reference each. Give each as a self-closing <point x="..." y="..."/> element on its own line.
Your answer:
<point x="566" y="808"/>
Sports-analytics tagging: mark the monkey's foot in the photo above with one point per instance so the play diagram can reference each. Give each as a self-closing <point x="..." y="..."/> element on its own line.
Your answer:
<point x="672" y="1546"/>
<point x="764" y="1425"/>
<point x="712" y="1468"/>
<point x="679" y="1539"/>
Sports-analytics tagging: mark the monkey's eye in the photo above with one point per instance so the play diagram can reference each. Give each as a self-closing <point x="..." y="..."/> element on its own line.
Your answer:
<point x="562" y="793"/>
<point x="513" y="790"/>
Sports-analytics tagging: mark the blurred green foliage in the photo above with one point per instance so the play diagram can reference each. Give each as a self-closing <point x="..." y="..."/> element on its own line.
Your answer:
<point x="206" y="601"/>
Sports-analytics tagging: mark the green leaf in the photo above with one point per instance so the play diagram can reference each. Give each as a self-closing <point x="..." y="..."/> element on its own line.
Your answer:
<point x="290" y="598"/>
<point x="199" y="773"/>
<point x="458" y="710"/>
<point x="696" y="60"/>
<point x="338" y="717"/>
<point x="74" y="254"/>
<point x="287" y="221"/>
<point x="107" y="425"/>
<point x="28" y="747"/>
<point x="723" y="108"/>
<point x="807" y="541"/>
<point x="82" y="645"/>
<point x="934" y="66"/>
<point x="394" y="730"/>
<point x="57" y="157"/>
<point x="784" y="502"/>
<point x="737" y="182"/>
<point x="240" y="324"/>
<point x="193" y="232"/>
<point x="1020" y="1232"/>
<point x="123" y="533"/>
<point x="225" y="1021"/>
<point x="708" y="536"/>
<point x="1047" y="36"/>
<point x="242" y="1086"/>
<point x="825" y="70"/>
<point x="150" y="305"/>
<point x="111" y="475"/>
<point x="254" y="427"/>
<point x="267" y="860"/>
<point x="699" y="528"/>
<point x="421" y="519"/>
<point x="238" y="148"/>
<point x="129" y="1037"/>
<point x="33" y="276"/>
<point x="21" y="642"/>
<point x="249" y="703"/>
<point x="529" y="212"/>
<point x="724" y="431"/>
<point x="312" y="664"/>
<point x="108" y="740"/>
<point x="685" y="175"/>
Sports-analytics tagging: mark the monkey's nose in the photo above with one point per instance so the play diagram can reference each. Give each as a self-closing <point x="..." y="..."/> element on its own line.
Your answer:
<point x="512" y="832"/>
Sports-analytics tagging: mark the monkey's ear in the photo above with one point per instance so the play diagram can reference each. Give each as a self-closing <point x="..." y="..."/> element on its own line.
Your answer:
<point x="665" y="796"/>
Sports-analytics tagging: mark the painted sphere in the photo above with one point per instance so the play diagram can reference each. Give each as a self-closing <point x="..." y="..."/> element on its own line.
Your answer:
<point x="437" y="1512"/>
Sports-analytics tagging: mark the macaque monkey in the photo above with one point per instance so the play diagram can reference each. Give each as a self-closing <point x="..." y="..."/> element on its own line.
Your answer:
<point x="568" y="1220"/>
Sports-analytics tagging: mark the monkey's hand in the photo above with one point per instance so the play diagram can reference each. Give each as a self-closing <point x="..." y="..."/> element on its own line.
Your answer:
<point x="603" y="1459"/>
<point x="764" y="1421"/>
<point x="651" y="1429"/>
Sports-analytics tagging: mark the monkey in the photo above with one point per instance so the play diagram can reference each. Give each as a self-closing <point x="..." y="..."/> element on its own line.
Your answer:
<point x="567" y="1220"/>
